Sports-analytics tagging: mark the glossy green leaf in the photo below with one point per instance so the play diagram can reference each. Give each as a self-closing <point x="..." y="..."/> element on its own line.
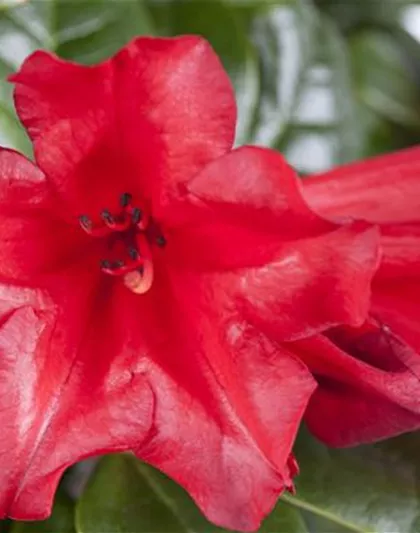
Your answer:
<point x="317" y="523"/>
<point x="125" y="495"/>
<point x="122" y="497"/>
<point x="284" y="519"/>
<point x="60" y="521"/>
<point x="364" y="489"/>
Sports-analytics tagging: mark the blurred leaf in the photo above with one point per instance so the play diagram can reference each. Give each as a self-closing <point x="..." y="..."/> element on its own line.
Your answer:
<point x="283" y="36"/>
<point x="317" y="523"/>
<point x="383" y="79"/>
<point x="380" y="136"/>
<point x="60" y="521"/>
<point x="351" y="15"/>
<point x="125" y="495"/>
<point x="89" y="32"/>
<point x="5" y="526"/>
<point x="324" y="130"/>
<point x="307" y="107"/>
<point x="81" y="30"/>
<point x="15" y="45"/>
<point x="219" y="24"/>
<point x="10" y="3"/>
<point x="368" y="488"/>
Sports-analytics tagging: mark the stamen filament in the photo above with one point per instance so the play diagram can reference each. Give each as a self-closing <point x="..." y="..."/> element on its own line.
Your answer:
<point x="139" y="233"/>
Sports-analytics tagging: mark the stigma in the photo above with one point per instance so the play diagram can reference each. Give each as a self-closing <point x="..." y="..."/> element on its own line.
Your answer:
<point x="137" y="231"/>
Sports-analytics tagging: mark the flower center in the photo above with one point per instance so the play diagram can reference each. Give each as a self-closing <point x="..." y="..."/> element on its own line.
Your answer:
<point x="137" y="231"/>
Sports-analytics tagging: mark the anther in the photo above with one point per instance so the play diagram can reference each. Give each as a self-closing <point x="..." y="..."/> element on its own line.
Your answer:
<point x="85" y="222"/>
<point x="138" y="232"/>
<point x="136" y="215"/>
<point x="106" y="215"/>
<point x="133" y="253"/>
<point x="161" y="241"/>
<point x="125" y="199"/>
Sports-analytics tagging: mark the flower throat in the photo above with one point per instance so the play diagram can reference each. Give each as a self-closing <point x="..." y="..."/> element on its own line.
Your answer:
<point x="137" y="231"/>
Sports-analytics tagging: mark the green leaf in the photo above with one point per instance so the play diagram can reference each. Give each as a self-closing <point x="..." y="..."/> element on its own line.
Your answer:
<point x="60" y="521"/>
<point x="283" y="36"/>
<point x="125" y="495"/>
<point x="89" y="32"/>
<point x="324" y="129"/>
<point x="4" y="526"/>
<point x="284" y="519"/>
<point x="364" y="489"/>
<point x="81" y="30"/>
<point x="384" y="80"/>
<point x="307" y="107"/>
<point x="352" y="15"/>
<point x="120" y="498"/>
<point x="15" y="45"/>
<point x="223" y="28"/>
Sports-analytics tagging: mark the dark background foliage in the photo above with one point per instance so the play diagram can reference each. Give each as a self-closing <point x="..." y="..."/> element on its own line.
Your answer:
<point x="325" y="82"/>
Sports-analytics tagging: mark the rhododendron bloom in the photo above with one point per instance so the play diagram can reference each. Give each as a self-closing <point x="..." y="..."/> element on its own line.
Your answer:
<point x="372" y="373"/>
<point x="142" y="243"/>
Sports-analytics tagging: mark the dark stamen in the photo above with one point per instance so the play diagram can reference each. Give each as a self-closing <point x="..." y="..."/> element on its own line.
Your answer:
<point x="118" y="264"/>
<point x="106" y="264"/>
<point x="161" y="241"/>
<point x="136" y="215"/>
<point x="85" y="221"/>
<point x="106" y="215"/>
<point x="125" y="199"/>
<point x="133" y="253"/>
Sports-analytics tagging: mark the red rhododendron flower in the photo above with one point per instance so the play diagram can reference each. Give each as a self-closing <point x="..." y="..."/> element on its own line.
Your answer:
<point x="372" y="373"/>
<point x="145" y="243"/>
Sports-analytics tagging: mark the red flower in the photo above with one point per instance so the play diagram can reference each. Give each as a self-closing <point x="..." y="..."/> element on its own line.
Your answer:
<point x="372" y="373"/>
<point x="147" y="243"/>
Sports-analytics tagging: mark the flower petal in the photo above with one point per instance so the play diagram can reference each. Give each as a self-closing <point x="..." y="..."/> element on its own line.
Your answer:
<point x="58" y="408"/>
<point x="400" y="245"/>
<point x="397" y="305"/>
<point x="368" y="385"/>
<point x="257" y="186"/>
<point x="35" y="240"/>
<point x="372" y="373"/>
<point x="229" y="403"/>
<point x="239" y="211"/>
<point x="296" y="273"/>
<point x="144" y="121"/>
<point x="312" y="284"/>
<point x="384" y="189"/>
<point x="397" y="285"/>
<point x="208" y="400"/>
